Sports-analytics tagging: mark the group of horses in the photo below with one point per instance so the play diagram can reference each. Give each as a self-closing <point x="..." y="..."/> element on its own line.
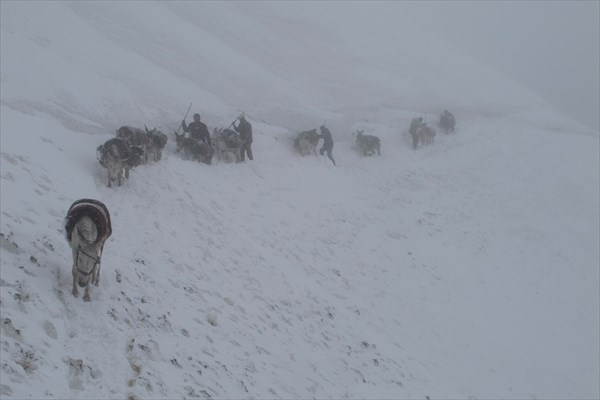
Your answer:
<point x="131" y="147"/>
<point x="134" y="146"/>
<point x="422" y="134"/>
<point x="226" y="144"/>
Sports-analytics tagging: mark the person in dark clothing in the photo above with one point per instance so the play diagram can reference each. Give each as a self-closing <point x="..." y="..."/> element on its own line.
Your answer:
<point x="327" y="143"/>
<point x="415" y="124"/>
<point x="447" y="121"/>
<point x="245" y="130"/>
<point x="197" y="130"/>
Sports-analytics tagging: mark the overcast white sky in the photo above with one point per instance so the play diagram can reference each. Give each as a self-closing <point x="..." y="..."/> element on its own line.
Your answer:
<point x="552" y="47"/>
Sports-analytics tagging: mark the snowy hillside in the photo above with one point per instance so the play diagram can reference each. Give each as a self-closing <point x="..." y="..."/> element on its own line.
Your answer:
<point x="465" y="269"/>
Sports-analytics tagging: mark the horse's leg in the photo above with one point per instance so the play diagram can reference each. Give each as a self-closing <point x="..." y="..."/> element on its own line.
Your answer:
<point x="86" y="296"/>
<point x="120" y="176"/>
<point x="96" y="274"/>
<point x="74" y="272"/>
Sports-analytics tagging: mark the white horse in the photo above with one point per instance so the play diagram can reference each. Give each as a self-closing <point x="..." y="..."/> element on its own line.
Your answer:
<point x="87" y="226"/>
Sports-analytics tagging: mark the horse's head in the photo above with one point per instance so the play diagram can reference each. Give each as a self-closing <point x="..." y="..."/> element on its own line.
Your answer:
<point x="150" y="132"/>
<point x="359" y="135"/>
<point x="85" y="239"/>
<point x="87" y="230"/>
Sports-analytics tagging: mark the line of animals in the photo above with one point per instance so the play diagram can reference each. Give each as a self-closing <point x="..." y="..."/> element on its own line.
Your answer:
<point x="423" y="134"/>
<point x="306" y="142"/>
<point x="88" y="225"/>
<point x="134" y="146"/>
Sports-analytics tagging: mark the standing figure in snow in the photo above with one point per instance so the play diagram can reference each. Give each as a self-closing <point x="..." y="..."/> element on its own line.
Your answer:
<point x="415" y="125"/>
<point x="327" y="143"/>
<point x="447" y="121"/>
<point x="245" y="130"/>
<point x="197" y="130"/>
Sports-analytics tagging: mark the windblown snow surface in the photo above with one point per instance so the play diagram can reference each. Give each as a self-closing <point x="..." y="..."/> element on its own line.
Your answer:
<point x="465" y="269"/>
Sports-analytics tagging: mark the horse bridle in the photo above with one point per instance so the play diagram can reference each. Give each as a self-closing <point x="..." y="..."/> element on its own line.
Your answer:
<point x="96" y="261"/>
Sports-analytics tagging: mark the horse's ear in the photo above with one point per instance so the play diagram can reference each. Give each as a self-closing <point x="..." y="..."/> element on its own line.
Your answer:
<point x="147" y="131"/>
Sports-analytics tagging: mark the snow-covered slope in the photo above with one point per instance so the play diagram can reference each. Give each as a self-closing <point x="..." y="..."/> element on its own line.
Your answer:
<point x="464" y="269"/>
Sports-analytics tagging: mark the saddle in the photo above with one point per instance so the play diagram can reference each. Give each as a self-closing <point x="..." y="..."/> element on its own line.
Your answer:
<point x="96" y="211"/>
